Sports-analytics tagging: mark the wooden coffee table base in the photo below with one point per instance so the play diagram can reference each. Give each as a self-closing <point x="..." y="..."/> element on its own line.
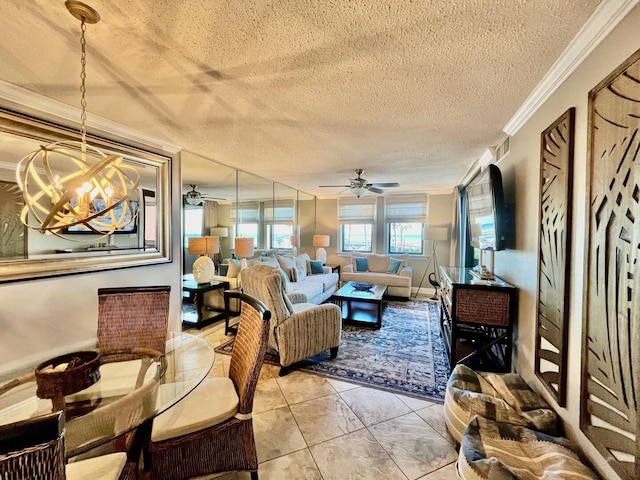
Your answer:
<point x="360" y="309"/>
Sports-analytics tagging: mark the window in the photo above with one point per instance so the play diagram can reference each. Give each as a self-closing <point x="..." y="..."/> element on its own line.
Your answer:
<point x="280" y="216"/>
<point x="405" y="218"/>
<point x="246" y="216"/>
<point x="193" y="221"/>
<point x="356" y="218"/>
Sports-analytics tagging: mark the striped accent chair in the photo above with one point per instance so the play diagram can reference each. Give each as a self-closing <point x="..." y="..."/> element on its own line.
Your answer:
<point x="299" y="330"/>
<point x="500" y="451"/>
<point x="502" y="397"/>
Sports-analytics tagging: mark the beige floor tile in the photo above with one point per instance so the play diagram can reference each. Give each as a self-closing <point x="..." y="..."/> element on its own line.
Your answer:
<point x="295" y="466"/>
<point x="276" y="434"/>
<point x="268" y="396"/>
<point x="434" y="416"/>
<point x="414" y="445"/>
<point x="445" y="473"/>
<point x="341" y="386"/>
<point x="300" y="386"/>
<point x="325" y="418"/>
<point x="356" y="456"/>
<point x="374" y="406"/>
<point x="416" y="404"/>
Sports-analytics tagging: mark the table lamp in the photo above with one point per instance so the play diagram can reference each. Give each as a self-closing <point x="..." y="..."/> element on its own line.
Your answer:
<point x="321" y="241"/>
<point x="203" y="267"/>
<point x="244" y="249"/>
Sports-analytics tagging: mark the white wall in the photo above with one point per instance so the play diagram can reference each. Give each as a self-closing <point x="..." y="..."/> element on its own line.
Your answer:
<point x="519" y="266"/>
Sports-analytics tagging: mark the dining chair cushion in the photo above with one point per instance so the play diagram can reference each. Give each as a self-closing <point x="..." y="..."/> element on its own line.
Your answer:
<point x="105" y="467"/>
<point x="210" y="403"/>
<point x="116" y="379"/>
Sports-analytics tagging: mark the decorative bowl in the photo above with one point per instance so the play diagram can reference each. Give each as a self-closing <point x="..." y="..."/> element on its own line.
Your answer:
<point x="361" y="286"/>
<point x="67" y="374"/>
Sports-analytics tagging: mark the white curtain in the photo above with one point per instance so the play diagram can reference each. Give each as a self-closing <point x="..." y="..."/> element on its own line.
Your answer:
<point x="209" y="215"/>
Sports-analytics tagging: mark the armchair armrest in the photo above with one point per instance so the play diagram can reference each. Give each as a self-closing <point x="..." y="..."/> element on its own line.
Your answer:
<point x="406" y="271"/>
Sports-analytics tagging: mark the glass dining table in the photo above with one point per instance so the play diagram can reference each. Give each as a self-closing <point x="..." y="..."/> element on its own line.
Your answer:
<point x="129" y="393"/>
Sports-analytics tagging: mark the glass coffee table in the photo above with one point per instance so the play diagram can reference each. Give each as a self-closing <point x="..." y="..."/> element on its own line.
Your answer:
<point x="362" y="303"/>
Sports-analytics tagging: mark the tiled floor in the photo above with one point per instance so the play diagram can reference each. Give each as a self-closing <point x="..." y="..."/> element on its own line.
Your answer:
<point x="309" y="427"/>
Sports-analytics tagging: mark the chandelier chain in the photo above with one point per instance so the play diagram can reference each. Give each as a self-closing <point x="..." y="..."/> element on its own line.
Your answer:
<point x="83" y="77"/>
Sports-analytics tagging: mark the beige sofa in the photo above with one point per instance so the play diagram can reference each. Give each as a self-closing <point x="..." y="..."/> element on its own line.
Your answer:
<point x="316" y="287"/>
<point x="378" y="272"/>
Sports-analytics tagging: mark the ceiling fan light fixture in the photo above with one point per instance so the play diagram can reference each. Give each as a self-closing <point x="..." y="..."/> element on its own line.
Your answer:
<point x="358" y="191"/>
<point x="193" y="197"/>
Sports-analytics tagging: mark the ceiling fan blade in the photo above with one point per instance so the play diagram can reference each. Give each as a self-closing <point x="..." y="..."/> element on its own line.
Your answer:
<point x="342" y="186"/>
<point x="390" y="184"/>
<point x="375" y="190"/>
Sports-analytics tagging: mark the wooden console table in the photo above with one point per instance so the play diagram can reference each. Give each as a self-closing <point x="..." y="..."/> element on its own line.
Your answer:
<point x="476" y="319"/>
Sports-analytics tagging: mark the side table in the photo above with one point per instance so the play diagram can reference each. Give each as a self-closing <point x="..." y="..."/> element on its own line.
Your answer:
<point x="334" y="268"/>
<point x="198" y="290"/>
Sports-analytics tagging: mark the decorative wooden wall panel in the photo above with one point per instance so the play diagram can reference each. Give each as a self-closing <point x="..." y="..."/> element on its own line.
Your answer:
<point x="13" y="233"/>
<point x="611" y="353"/>
<point x="556" y="172"/>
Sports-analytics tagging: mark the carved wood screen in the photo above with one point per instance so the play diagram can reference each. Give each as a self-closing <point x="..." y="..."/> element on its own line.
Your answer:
<point x="611" y="352"/>
<point x="13" y="233"/>
<point x="556" y="171"/>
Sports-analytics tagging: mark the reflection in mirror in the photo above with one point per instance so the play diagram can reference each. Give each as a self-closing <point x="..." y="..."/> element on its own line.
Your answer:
<point x="216" y="184"/>
<point x="248" y="214"/>
<point x="30" y="253"/>
<point x="282" y="225"/>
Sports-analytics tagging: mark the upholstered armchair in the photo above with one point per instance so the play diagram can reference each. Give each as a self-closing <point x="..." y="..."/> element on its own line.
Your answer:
<point x="298" y="330"/>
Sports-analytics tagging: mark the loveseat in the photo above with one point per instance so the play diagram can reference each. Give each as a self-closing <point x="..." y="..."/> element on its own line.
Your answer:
<point x="308" y="277"/>
<point x="390" y="270"/>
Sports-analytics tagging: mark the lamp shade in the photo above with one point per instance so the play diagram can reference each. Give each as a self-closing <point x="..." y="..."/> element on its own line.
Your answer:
<point x="244" y="247"/>
<point x="204" y="245"/>
<point x="439" y="234"/>
<point x="321" y="240"/>
<point x="222" y="232"/>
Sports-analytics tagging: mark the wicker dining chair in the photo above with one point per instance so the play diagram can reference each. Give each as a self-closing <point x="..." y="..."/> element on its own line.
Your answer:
<point x="33" y="449"/>
<point x="132" y="317"/>
<point x="211" y="429"/>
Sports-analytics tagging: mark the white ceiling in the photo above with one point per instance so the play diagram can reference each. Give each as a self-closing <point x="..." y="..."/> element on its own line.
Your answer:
<point x="302" y="91"/>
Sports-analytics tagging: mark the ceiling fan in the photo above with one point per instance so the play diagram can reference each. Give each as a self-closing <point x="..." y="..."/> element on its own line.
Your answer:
<point x="193" y="197"/>
<point x="359" y="186"/>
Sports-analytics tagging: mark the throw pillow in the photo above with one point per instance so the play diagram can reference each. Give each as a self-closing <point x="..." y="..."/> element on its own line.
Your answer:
<point x="315" y="266"/>
<point x="234" y="268"/>
<point x="299" y="273"/>
<point x="286" y="264"/>
<point x="361" y="264"/>
<point x="303" y="260"/>
<point x="394" y="266"/>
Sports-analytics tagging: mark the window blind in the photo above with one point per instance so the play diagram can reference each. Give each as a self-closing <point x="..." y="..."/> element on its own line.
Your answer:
<point x="356" y="210"/>
<point x="406" y="209"/>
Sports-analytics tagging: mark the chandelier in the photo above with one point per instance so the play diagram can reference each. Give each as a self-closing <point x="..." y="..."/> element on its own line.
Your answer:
<point x="73" y="184"/>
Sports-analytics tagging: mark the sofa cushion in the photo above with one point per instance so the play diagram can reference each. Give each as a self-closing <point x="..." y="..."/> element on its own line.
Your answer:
<point x="309" y="288"/>
<point x="234" y="268"/>
<point x="377" y="278"/>
<point x="286" y="264"/>
<point x="327" y="280"/>
<point x="298" y="273"/>
<point x="362" y="265"/>
<point x="302" y="260"/>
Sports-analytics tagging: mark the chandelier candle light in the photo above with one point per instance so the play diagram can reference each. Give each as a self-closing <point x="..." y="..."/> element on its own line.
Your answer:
<point x="65" y="184"/>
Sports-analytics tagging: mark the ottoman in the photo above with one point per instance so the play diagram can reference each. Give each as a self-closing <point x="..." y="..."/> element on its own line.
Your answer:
<point x="502" y="397"/>
<point x="500" y="451"/>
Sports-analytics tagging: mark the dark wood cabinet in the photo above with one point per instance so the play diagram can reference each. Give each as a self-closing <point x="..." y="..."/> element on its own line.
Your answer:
<point x="477" y="319"/>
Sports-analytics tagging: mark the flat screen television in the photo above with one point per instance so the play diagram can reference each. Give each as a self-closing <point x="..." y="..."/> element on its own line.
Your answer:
<point x="99" y="204"/>
<point x="486" y="211"/>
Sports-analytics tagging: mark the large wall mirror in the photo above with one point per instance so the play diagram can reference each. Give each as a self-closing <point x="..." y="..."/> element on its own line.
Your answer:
<point x="27" y="253"/>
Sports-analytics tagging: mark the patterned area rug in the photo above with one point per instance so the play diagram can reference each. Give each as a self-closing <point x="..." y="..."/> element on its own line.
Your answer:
<point x="406" y="355"/>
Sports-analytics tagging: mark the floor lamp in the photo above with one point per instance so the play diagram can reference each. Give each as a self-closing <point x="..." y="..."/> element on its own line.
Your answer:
<point x="435" y="234"/>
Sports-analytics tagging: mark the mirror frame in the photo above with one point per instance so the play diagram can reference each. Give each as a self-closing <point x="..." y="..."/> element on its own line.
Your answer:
<point x="33" y="128"/>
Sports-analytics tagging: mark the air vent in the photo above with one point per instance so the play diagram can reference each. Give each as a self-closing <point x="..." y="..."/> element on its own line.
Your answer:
<point x="503" y="149"/>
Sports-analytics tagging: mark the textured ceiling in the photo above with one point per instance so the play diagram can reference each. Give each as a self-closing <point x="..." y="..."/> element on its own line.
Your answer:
<point x="302" y="91"/>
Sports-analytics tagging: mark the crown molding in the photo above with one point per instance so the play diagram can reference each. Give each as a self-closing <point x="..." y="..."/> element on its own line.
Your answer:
<point x="12" y="96"/>
<point x="603" y="20"/>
